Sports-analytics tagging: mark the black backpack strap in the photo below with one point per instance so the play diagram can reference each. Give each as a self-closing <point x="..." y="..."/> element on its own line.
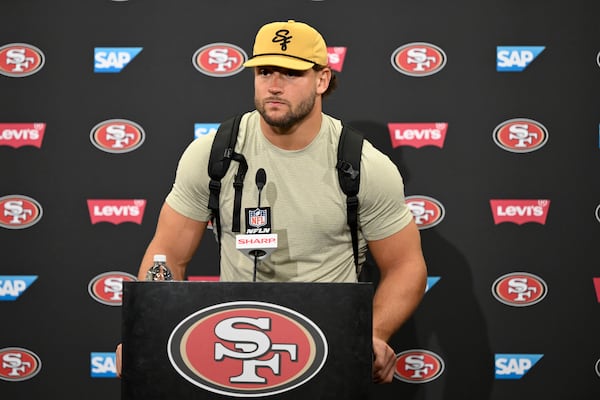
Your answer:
<point x="221" y="154"/>
<point x="348" y="167"/>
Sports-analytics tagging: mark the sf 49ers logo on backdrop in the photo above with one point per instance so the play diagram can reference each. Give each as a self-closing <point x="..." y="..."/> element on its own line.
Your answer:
<point x="520" y="135"/>
<point x="18" y="60"/>
<point x="116" y="211"/>
<point x="117" y="136"/>
<point x="418" y="366"/>
<point x="17" y="364"/>
<point x="418" y="59"/>
<point x="247" y="349"/>
<point x="17" y="135"/>
<point x="427" y="211"/>
<point x="519" y="289"/>
<point x="219" y="59"/>
<point x="107" y="288"/>
<point x="520" y="211"/>
<point x="19" y="212"/>
<point x="418" y="134"/>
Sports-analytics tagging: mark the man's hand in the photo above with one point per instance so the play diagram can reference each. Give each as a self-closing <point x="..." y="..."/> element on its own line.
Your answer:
<point x="118" y="354"/>
<point x="384" y="361"/>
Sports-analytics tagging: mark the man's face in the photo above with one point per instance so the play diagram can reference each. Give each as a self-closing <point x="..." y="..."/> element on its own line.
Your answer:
<point x="284" y="97"/>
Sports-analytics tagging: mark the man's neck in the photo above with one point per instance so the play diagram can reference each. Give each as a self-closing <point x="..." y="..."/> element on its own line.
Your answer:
<point x="296" y="137"/>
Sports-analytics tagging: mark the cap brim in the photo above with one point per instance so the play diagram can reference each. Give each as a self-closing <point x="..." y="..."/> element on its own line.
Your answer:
<point x="279" y="61"/>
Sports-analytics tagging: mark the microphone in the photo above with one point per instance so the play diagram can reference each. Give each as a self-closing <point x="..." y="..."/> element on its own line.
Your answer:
<point x="258" y="242"/>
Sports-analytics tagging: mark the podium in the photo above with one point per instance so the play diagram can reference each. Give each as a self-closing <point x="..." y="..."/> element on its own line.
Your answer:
<point x="220" y="340"/>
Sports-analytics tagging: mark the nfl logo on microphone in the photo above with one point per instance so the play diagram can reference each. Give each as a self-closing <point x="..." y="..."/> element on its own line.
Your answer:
<point x="257" y="220"/>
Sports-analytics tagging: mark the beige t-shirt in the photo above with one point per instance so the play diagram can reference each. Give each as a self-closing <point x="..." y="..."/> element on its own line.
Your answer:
<point x="308" y="207"/>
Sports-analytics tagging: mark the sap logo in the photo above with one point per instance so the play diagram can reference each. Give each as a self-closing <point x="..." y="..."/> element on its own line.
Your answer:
<point x="431" y="281"/>
<point x="113" y="59"/>
<point x="11" y="287"/>
<point x="515" y="366"/>
<point x="103" y="365"/>
<point x="516" y="58"/>
<point x="204" y="129"/>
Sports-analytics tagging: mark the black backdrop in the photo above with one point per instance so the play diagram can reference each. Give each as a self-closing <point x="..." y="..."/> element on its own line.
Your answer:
<point x="459" y="319"/>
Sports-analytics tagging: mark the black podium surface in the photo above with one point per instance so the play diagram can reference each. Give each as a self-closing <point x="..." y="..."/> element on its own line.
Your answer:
<point x="217" y="340"/>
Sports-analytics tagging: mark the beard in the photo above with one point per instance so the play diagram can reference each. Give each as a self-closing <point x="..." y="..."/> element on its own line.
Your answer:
<point x="289" y="119"/>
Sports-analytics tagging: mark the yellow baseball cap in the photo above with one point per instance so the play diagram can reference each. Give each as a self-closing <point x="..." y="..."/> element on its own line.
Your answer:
<point x="291" y="44"/>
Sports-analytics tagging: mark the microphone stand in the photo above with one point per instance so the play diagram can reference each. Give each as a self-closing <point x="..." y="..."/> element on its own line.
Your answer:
<point x="260" y="183"/>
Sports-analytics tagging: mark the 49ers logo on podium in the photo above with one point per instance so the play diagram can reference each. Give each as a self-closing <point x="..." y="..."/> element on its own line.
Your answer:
<point x="247" y="349"/>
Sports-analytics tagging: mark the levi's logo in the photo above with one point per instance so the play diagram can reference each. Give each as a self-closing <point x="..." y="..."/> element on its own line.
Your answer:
<point x="336" y="56"/>
<point x="116" y="211"/>
<point x="597" y="287"/>
<point x="418" y="134"/>
<point x="520" y="211"/>
<point x="22" y="134"/>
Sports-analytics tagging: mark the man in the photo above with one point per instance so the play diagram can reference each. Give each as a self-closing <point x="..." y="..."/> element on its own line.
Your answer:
<point x="296" y="144"/>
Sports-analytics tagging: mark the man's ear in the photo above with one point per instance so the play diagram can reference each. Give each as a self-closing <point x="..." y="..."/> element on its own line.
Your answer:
<point x="323" y="79"/>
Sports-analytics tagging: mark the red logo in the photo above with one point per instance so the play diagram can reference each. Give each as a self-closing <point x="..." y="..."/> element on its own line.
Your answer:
<point x="107" y="288"/>
<point x="116" y="211"/>
<point x="519" y="289"/>
<point x="19" y="212"/>
<point x="219" y="59"/>
<point x="18" y="60"/>
<point x="520" y="211"/>
<point x="418" y="59"/>
<point x="418" y="366"/>
<point x="117" y="136"/>
<point x="17" y="364"/>
<point x="597" y="287"/>
<point x="520" y="135"/>
<point x="247" y="349"/>
<point x="427" y="211"/>
<point x="204" y="278"/>
<point x="335" y="57"/>
<point x="22" y="134"/>
<point x="418" y="134"/>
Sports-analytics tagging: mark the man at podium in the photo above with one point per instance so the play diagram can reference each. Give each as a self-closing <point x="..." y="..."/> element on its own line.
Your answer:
<point x="296" y="209"/>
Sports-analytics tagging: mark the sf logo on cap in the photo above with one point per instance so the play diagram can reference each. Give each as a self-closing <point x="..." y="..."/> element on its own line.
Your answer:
<point x="282" y="38"/>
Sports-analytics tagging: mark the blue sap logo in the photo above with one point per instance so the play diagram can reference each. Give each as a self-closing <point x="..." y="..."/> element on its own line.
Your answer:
<point x="103" y="365"/>
<point x="516" y="58"/>
<point x="113" y="59"/>
<point x="431" y="280"/>
<point x="515" y="366"/>
<point x="204" y="129"/>
<point x="12" y="286"/>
